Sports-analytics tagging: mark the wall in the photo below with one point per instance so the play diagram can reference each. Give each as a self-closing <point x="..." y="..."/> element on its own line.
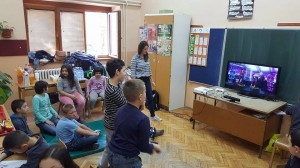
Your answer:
<point x="205" y="12"/>
<point x="12" y="11"/>
<point x="130" y="16"/>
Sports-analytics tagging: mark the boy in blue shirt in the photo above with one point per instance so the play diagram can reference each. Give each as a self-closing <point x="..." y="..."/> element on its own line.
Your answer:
<point x="131" y="135"/>
<point x="19" y="120"/>
<point x="76" y="136"/>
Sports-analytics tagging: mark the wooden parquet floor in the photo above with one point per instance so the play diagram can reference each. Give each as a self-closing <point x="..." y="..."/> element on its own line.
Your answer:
<point x="183" y="147"/>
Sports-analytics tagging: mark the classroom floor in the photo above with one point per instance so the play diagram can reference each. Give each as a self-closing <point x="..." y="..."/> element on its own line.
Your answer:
<point x="183" y="147"/>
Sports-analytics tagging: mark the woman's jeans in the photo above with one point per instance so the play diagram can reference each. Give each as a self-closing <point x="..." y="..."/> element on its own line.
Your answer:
<point x="148" y="86"/>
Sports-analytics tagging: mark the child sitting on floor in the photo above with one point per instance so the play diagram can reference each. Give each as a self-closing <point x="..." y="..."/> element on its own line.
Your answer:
<point x="46" y="117"/>
<point x="96" y="88"/>
<point x="76" y="136"/>
<point x="19" y="120"/>
<point x="131" y="135"/>
<point x="19" y="142"/>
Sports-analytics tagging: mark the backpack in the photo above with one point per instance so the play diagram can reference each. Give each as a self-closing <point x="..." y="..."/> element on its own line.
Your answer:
<point x="85" y="61"/>
<point x="155" y="99"/>
<point x="40" y="54"/>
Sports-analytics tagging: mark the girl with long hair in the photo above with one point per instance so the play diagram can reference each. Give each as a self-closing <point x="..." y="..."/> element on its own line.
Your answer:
<point x="69" y="89"/>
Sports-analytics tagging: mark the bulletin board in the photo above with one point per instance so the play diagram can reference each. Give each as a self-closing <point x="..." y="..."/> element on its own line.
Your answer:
<point x="210" y="74"/>
<point x="198" y="45"/>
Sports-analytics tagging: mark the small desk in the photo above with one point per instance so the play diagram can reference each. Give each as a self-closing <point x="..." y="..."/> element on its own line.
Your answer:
<point x="238" y="118"/>
<point x="15" y="156"/>
<point x="29" y="90"/>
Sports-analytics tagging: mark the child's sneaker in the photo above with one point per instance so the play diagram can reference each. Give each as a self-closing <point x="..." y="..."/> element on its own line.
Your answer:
<point x="159" y="133"/>
<point x="156" y="118"/>
<point x="95" y="146"/>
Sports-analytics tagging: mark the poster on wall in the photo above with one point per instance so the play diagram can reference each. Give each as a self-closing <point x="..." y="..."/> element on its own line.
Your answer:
<point x="149" y="33"/>
<point x="142" y="34"/>
<point x="198" y="46"/>
<point x="164" y="39"/>
<point x="240" y="9"/>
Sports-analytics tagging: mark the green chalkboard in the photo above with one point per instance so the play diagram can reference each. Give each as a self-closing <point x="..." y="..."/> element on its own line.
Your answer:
<point x="270" y="47"/>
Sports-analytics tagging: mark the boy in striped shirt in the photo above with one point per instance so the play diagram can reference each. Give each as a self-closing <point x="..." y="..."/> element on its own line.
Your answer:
<point x="114" y="99"/>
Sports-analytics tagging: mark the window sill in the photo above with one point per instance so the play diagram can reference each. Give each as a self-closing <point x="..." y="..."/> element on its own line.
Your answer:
<point x="104" y="58"/>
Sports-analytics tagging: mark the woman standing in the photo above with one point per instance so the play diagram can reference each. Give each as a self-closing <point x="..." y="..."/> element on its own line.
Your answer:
<point x="140" y="69"/>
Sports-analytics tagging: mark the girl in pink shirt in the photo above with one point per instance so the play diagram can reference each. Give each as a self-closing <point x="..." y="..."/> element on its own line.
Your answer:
<point x="96" y="88"/>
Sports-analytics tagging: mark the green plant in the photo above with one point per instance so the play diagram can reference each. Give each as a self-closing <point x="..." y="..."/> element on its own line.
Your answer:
<point x="4" y="25"/>
<point x="5" y="90"/>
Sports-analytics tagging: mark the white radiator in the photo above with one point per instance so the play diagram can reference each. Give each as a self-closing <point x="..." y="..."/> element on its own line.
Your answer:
<point x="46" y="73"/>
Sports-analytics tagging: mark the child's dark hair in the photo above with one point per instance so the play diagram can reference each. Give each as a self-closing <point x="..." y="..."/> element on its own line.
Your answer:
<point x="113" y="65"/>
<point x="60" y="154"/>
<point x="40" y="87"/>
<point x="141" y="46"/>
<point x="295" y="138"/>
<point x="70" y="74"/>
<point x="67" y="107"/>
<point x="15" y="139"/>
<point x="98" y="69"/>
<point x="18" y="103"/>
<point x="132" y="89"/>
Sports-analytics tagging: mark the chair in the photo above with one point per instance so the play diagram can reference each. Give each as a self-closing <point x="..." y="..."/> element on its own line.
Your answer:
<point x="60" y="107"/>
<point x="61" y="143"/>
<point x="283" y="142"/>
<point x="98" y="99"/>
<point x="87" y="107"/>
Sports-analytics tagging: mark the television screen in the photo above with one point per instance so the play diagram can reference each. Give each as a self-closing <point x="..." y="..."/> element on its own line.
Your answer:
<point x="252" y="79"/>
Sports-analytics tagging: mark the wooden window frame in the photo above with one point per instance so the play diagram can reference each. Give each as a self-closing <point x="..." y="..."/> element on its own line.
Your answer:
<point x="59" y="7"/>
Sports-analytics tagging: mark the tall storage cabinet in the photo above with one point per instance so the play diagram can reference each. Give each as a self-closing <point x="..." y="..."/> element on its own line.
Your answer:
<point x="169" y="72"/>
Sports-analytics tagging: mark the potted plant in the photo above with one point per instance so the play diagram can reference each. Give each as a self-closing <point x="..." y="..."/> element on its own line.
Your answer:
<point x="5" y="30"/>
<point x="5" y="90"/>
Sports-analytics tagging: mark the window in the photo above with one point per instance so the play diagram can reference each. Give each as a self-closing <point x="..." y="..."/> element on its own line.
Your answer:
<point x="113" y="34"/>
<point x="72" y="31"/>
<point x="41" y="30"/>
<point x="91" y="29"/>
<point x="96" y="33"/>
<point x="102" y="33"/>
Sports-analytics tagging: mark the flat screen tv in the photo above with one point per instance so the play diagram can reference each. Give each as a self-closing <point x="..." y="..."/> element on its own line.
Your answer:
<point x="253" y="79"/>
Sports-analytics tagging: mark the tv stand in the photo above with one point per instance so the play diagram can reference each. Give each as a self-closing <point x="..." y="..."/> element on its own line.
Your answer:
<point x="239" y="119"/>
<point x="247" y="96"/>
